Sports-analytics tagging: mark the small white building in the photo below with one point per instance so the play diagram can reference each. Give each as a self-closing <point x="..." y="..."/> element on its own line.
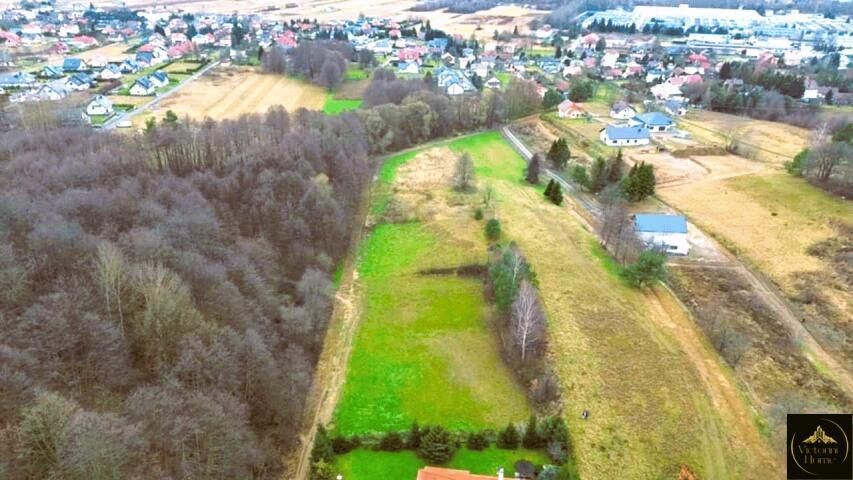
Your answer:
<point x="662" y="231"/>
<point x="100" y="105"/>
<point x="622" y="111"/>
<point x="570" y="109"/>
<point x="624" y="136"/>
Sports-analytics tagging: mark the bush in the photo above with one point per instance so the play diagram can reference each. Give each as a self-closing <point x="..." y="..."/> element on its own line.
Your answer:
<point x="391" y="442"/>
<point x="531" y="438"/>
<point x="413" y="441"/>
<point x="436" y="445"/>
<point x="322" y="470"/>
<point x="579" y="175"/>
<point x="493" y="229"/>
<point x="650" y="267"/>
<point x="478" y="214"/>
<point x="322" y="449"/>
<point x="342" y="445"/>
<point x="508" y="438"/>
<point x="477" y="441"/>
<point x="796" y="166"/>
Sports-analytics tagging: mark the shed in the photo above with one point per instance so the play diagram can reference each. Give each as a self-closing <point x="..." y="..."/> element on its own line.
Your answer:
<point x="664" y="231"/>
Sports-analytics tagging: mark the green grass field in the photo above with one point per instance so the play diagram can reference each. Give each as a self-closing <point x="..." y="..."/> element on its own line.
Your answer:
<point x="368" y="465"/>
<point x="606" y="93"/>
<point x="355" y="73"/>
<point x="424" y="350"/>
<point x="336" y="106"/>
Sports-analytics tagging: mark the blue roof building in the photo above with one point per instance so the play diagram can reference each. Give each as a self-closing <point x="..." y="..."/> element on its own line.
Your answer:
<point x="663" y="232"/>
<point x="624" y="136"/>
<point x="74" y="65"/>
<point x="653" y="121"/>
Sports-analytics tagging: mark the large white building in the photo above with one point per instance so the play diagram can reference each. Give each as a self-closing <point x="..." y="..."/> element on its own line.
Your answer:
<point x="666" y="232"/>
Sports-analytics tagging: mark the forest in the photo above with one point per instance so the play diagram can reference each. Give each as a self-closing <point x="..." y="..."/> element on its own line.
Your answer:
<point x="188" y="270"/>
<point x="185" y="271"/>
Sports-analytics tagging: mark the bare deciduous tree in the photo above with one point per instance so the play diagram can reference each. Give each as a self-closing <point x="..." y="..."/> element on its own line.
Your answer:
<point x="463" y="178"/>
<point x="528" y="320"/>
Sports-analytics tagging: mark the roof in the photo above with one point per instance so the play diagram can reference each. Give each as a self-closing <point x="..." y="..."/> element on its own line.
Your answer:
<point x="626" y="133"/>
<point x="653" y="118"/>
<point x="435" y="473"/>
<point x="72" y="63"/>
<point x="621" y="105"/>
<point x="660" y="223"/>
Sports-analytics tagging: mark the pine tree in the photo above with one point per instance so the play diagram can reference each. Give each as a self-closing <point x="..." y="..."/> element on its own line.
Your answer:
<point x="559" y="52"/>
<point x="515" y="31"/>
<point x="617" y="165"/>
<point x="556" y="195"/>
<point x="532" y="175"/>
<point x="508" y="438"/>
<point x="414" y="439"/>
<point x="548" y="188"/>
<point x="531" y="438"/>
<point x="598" y="175"/>
<point x="559" y="153"/>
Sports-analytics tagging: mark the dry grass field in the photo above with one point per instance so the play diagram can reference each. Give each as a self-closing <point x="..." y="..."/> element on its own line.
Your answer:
<point x="231" y="92"/>
<point x="771" y="142"/>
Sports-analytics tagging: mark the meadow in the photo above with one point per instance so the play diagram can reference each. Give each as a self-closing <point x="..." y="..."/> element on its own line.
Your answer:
<point x="636" y="362"/>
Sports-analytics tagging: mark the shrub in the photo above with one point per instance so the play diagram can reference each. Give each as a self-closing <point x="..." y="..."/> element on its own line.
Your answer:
<point x="508" y="438"/>
<point x="531" y="438"/>
<point x="650" y="267"/>
<point x="796" y="166"/>
<point x="436" y="445"/>
<point x="478" y="214"/>
<point x="579" y="175"/>
<point x="342" y="445"/>
<point x="322" y="449"/>
<point x="322" y="470"/>
<point x="413" y="441"/>
<point x="391" y="442"/>
<point x="477" y="441"/>
<point x="493" y="229"/>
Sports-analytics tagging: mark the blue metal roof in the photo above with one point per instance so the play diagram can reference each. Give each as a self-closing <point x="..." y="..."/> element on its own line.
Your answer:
<point x="653" y="118"/>
<point x="660" y="223"/>
<point x="627" y="133"/>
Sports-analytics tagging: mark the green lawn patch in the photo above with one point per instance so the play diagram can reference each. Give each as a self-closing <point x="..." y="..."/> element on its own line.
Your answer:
<point x="493" y="157"/>
<point x="335" y="106"/>
<point x="606" y="93"/>
<point x="368" y="464"/>
<point x="355" y="73"/>
<point x="423" y="351"/>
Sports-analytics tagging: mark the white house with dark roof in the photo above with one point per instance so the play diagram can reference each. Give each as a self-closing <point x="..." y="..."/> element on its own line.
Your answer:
<point x="622" y="111"/>
<point x="667" y="233"/>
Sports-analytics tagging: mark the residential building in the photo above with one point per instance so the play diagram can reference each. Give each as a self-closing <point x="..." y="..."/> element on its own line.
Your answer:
<point x="624" y="136"/>
<point x="142" y="87"/>
<point x="100" y="105"/>
<point x="675" y="106"/>
<point x="622" y="111"/>
<point x="74" y="65"/>
<point x="438" y="473"/>
<point x="653" y="122"/>
<point x="110" y="72"/>
<point x="570" y="109"/>
<point x="661" y="231"/>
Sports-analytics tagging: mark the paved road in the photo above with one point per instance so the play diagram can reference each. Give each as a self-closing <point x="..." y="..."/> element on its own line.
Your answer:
<point x="110" y="124"/>
<point x="723" y="259"/>
<point x="594" y="209"/>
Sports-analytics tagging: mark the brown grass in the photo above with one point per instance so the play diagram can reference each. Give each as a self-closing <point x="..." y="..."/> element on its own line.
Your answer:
<point x="231" y="92"/>
<point x="771" y="142"/>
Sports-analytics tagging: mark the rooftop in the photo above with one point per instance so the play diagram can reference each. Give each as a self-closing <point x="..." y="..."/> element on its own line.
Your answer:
<point x="660" y="223"/>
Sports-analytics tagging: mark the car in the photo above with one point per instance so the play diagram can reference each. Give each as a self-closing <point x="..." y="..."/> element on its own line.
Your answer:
<point x="124" y="124"/>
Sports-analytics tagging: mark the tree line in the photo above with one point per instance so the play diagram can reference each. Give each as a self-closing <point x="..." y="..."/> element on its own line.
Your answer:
<point x="323" y="62"/>
<point x="165" y="296"/>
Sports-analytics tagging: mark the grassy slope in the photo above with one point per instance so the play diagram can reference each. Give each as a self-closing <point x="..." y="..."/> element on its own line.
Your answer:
<point x="650" y="411"/>
<point x="370" y="465"/>
<point x="423" y="350"/>
<point x="335" y="106"/>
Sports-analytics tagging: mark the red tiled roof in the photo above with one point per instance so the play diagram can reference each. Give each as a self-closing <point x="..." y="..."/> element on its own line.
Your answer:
<point x="435" y="473"/>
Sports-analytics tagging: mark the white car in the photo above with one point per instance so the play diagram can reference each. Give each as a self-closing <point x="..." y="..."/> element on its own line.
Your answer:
<point x="124" y="124"/>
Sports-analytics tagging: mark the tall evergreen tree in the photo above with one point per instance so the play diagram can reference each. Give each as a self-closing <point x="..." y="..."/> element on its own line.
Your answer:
<point x="549" y="188"/>
<point x="614" y="171"/>
<point x="598" y="175"/>
<point x="532" y="175"/>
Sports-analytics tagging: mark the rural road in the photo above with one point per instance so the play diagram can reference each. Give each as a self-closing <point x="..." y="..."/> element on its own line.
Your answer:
<point x="811" y="348"/>
<point x="110" y="124"/>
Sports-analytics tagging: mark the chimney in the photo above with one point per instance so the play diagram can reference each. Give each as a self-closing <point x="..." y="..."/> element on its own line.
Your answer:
<point x="501" y="473"/>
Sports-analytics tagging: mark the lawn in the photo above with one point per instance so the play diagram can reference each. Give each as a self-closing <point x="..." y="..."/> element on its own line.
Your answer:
<point x="425" y="350"/>
<point x="336" y="106"/>
<point x="369" y="465"/>
<point x="606" y="93"/>
<point x="355" y="73"/>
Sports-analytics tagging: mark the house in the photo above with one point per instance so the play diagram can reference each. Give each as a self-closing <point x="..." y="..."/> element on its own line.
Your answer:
<point x="454" y="87"/>
<point x="128" y="66"/>
<point x="570" y="109"/>
<point x="411" y="68"/>
<point x="144" y="58"/>
<point x="74" y="65"/>
<point x="653" y="122"/>
<point x="437" y="473"/>
<point x="51" y="71"/>
<point x="52" y="91"/>
<point x="97" y="62"/>
<point x="17" y="80"/>
<point x="79" y="82"/>
<point x="159" y="78"/>
<point x="142" y="87"/>
<point x="493" y="83"/>
<point x="110" y="72"/>
<point x="623" y="135"/>
<point x="664" y="90"/>
<point x="667" y="232"/>
<point x="610" y="58"/>
<point x="622" y="111"/>
<point x="100" y="105"/>
<point x="675" y="106"/>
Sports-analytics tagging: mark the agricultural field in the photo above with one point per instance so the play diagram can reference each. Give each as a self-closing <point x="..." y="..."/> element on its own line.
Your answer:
<point x="761" y="140"/>
<point x="231" y="92"/>
<point x="634" y="360"/>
